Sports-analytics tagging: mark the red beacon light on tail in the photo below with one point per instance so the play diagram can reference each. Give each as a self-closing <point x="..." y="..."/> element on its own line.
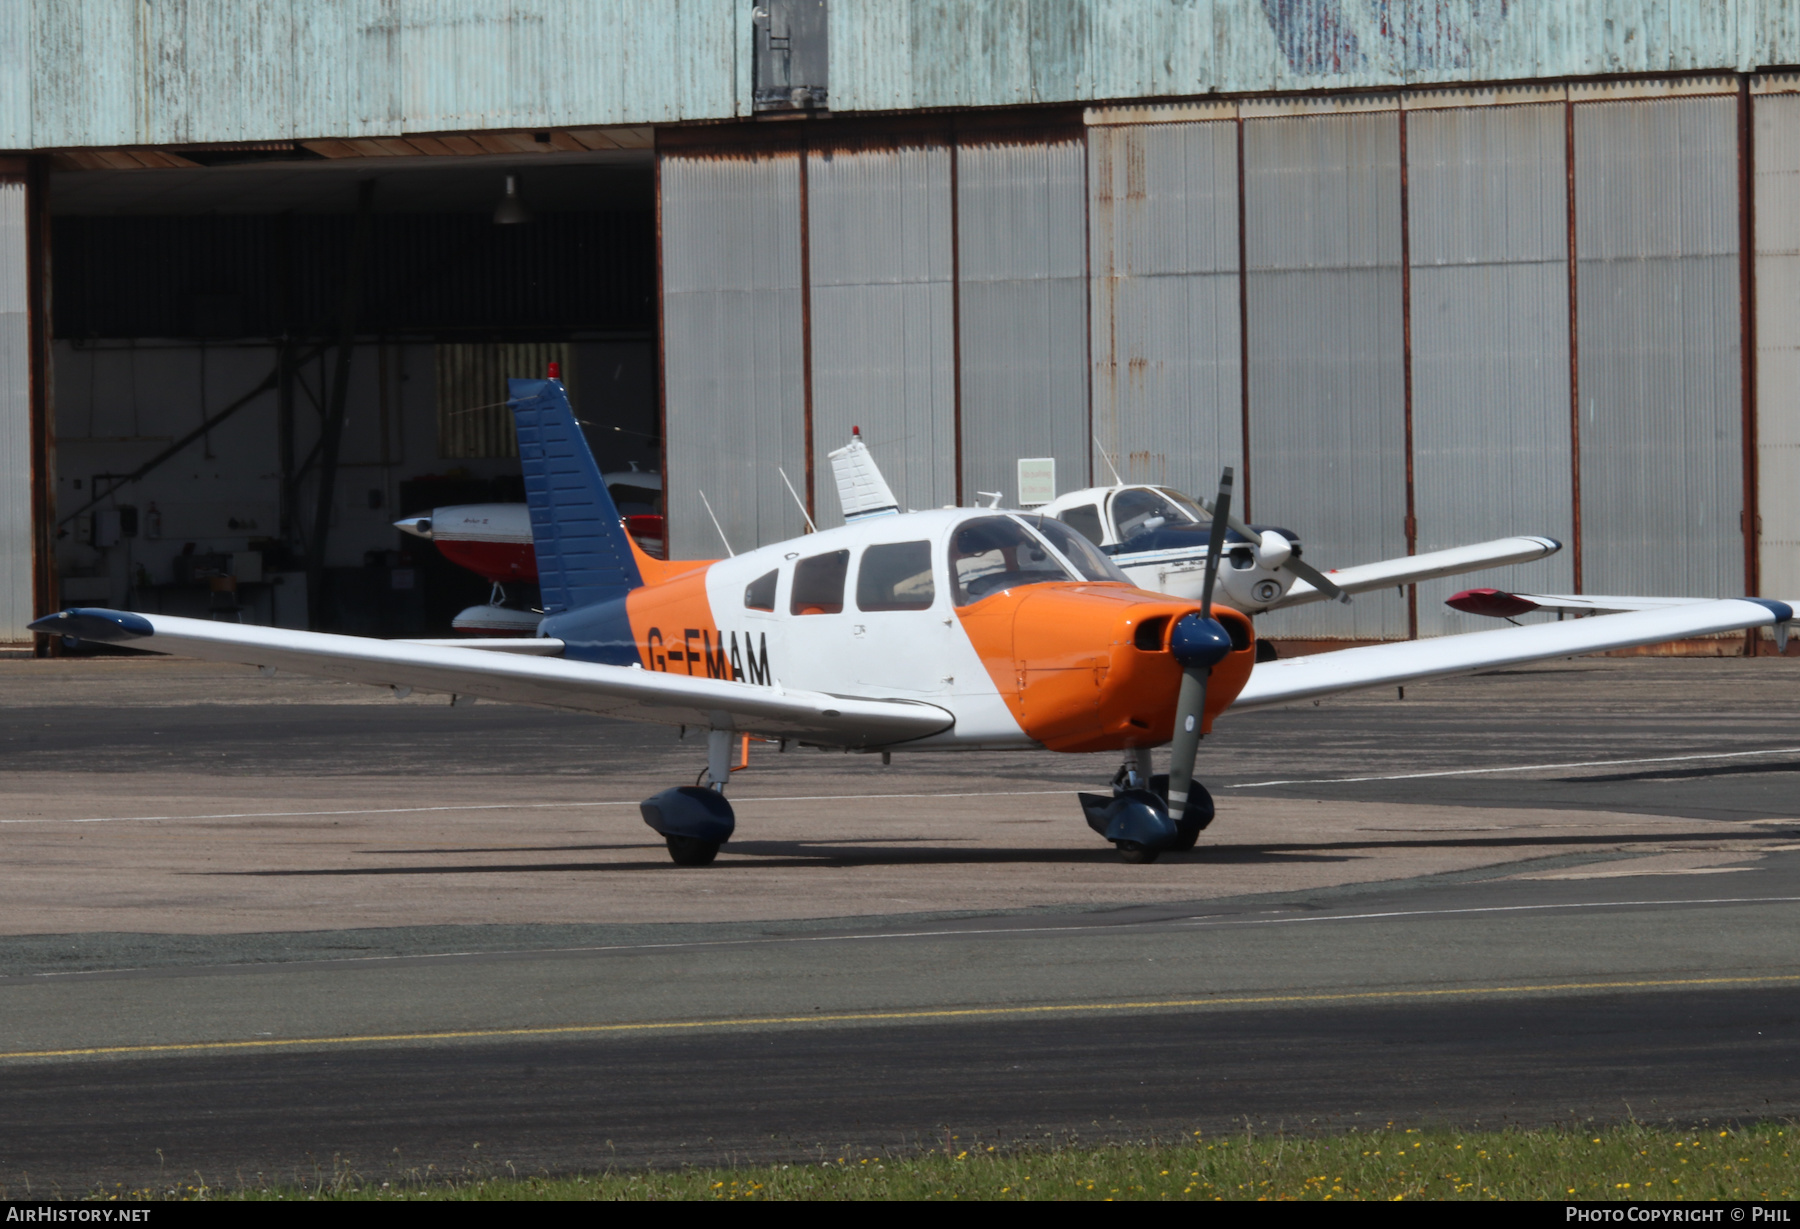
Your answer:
<point x="555" y="371"/>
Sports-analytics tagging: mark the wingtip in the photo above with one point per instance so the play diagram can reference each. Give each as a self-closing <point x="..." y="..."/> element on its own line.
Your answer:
<point x="1781" y="610"/>
<point x="93" y="623"/>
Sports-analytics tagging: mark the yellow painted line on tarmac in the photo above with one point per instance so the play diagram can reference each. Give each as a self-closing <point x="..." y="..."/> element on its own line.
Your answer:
<point x="861" y="1017"/>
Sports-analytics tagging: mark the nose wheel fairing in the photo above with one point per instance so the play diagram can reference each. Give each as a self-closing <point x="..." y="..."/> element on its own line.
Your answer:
<point x="1136" y="816"/>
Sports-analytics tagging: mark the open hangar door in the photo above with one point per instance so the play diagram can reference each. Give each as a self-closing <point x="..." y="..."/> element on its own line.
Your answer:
<point x="220" y="450"/>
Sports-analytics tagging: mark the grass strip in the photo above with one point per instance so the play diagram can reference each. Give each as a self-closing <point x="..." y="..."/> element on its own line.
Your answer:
<point x="1626" y="1162"/>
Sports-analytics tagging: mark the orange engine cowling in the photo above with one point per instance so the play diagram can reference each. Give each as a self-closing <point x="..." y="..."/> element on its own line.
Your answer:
<point x="1088" y="668"/>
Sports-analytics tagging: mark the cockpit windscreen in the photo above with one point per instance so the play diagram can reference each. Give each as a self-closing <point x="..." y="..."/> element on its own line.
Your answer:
<point x="992" y="553"/>
<point x="1077" y="550"/>
<point x="1139" y="510"/>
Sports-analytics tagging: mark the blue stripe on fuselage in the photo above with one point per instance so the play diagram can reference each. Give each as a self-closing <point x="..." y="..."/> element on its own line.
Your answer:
<point x="599" y="633"/>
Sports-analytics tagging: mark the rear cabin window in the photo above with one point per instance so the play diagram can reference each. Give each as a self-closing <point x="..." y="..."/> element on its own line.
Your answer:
<point x="896" y="576"/>
<point x="759" y="594"/>
<point x="819" y="584"/>
<point x="1085" y="521"/>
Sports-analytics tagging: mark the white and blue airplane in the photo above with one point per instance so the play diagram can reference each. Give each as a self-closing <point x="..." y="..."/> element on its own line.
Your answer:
<point x="1159" y="538"/>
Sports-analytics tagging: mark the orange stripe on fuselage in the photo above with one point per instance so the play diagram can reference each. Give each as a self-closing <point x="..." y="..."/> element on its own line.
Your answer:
<point x="662" y="571"/>
<point x="672" y="620"/>
<point x="1065" y="659"/>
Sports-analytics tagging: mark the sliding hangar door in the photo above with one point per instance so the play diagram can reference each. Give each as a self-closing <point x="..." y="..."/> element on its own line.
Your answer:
<point x="1409" y="322"/>
<point x="260" y="358"/>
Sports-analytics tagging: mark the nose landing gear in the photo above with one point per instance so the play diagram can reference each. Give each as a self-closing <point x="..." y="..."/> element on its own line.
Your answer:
<point x="1136" y="818"/>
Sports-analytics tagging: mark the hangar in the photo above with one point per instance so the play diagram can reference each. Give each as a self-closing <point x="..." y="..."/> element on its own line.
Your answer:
<point x="1426" y="274"/>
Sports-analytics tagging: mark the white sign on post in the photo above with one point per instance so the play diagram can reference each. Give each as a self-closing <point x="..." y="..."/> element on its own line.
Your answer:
<point x="1037" y="481"/>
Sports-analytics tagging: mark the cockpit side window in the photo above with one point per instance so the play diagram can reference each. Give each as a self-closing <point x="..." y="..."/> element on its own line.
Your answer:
<point x="759" y="594"/>
<point x="819" y="584"/>
<point x="991" y="553"/>
<point x="1085" y="521"/>
<point x="896" y="576"/>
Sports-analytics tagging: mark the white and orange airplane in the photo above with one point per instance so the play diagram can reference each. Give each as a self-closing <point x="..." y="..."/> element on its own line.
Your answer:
<point x="955" y="629"/>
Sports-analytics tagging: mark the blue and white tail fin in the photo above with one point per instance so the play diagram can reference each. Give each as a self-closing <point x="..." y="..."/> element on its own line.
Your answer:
<point x="583" y="555"/>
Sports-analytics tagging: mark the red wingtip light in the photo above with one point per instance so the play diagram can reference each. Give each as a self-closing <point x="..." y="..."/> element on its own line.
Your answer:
<point x="556" y="371"/>
<point x="1495" y="603"/>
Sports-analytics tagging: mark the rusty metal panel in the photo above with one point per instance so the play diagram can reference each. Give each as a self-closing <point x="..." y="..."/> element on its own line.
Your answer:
<point x="350" y="71"/>
<point x="924" y="53"/>
<point x="1778" y="340"/>
<point x="883" y="340"/>
<point x="1490" y="344"/>
<point x="15" y="76"/>
<point x="1327" y="387"/>
<point x="195" y="71"/>
<point x="1163" y="259"/>
<point x="103" y="105"/>
<point x="732" y="354"/>
<point x="1661" y="427"/>
<point x="1772" y="36"/>
<point x="15" y="417"/>
<point x="1021" y="221"/>
<point x="215" y="70"/>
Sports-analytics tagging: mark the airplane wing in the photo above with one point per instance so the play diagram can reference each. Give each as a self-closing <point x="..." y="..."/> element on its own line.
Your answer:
<point x="613" y="691"/>
<point x="1386" y="665"/>
<point x="1414" y="568"/>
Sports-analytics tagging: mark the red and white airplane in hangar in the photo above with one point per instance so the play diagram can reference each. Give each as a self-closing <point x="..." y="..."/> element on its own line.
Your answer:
<point x="955" y="629"/>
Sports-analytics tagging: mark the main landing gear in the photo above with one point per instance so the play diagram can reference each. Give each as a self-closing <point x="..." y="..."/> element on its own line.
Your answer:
<point x="1136" y="817"/>
<point x="695" y="820"/>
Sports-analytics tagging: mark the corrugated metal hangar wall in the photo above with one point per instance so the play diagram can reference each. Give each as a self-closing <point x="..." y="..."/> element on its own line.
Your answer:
<point x="1426" y="365"/>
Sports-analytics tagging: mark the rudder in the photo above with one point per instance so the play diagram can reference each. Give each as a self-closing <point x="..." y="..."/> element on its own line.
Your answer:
<point x="583" y="555"/>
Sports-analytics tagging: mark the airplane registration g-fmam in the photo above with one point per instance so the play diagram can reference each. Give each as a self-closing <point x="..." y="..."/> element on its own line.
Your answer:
<point x="948" y="630"/>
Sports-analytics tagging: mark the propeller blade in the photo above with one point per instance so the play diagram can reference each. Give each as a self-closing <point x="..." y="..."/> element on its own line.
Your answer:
<point x="1305" y="571"/>
<point x="1184" y="748"/>
<point x="1198" y="643"/>
<point x="1317" y="579"/>
<point x="1215" y="542"/>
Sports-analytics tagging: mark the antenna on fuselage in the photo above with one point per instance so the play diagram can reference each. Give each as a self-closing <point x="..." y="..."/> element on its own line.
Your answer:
<point x="810" y="527"/>
<point x="1117" y="481"/>
<point x="716" y="525"/>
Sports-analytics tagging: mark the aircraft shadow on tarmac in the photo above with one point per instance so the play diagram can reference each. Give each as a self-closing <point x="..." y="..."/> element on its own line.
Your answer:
<point x="877" y="851"/>
<point x="1686" y="774"/>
